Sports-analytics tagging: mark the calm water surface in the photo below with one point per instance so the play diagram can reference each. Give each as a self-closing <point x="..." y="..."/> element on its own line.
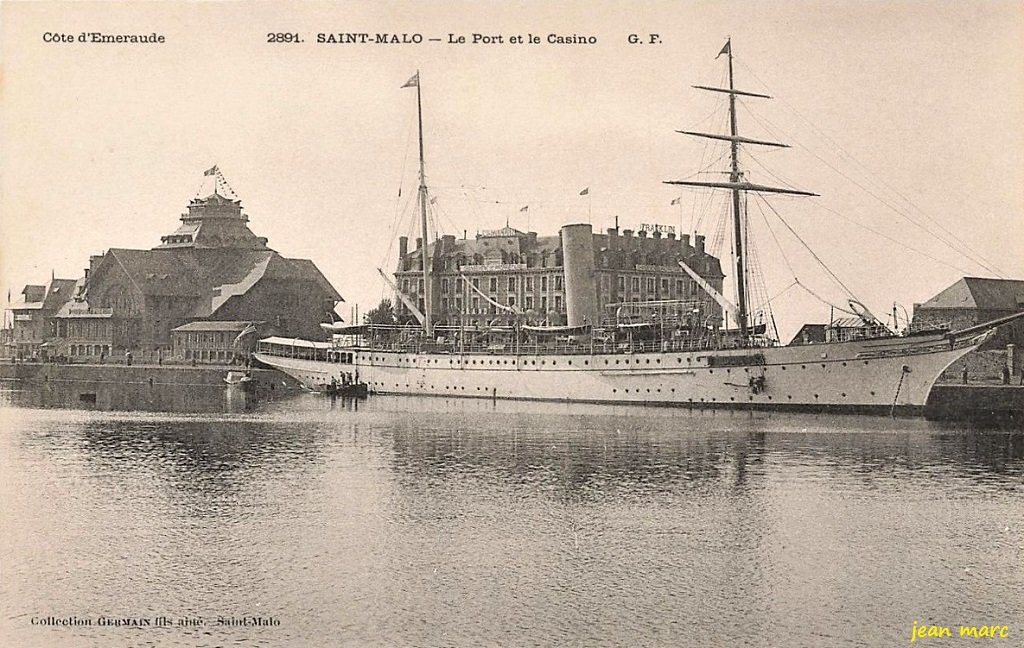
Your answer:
<point x="428" y="522"/>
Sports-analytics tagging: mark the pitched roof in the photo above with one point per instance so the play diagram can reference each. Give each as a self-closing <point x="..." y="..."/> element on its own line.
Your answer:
<point x="159" y="272"/>
<point x="49" y="297"/>
<point x="981" y="293"/>
<point x="213" y="326"/>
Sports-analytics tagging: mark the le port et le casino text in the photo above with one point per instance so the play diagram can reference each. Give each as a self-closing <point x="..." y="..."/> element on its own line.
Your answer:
<point x="363" y="38"/>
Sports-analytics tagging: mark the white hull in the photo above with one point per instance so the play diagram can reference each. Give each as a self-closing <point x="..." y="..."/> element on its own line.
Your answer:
<point x="864" y="375"/>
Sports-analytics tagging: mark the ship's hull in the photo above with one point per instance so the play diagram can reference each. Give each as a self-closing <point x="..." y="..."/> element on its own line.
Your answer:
<point x="879" y="375"/>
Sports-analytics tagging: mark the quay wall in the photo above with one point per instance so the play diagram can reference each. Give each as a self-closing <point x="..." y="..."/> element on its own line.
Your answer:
<point x="984" y="403"/>
<point x="135" y="374"/>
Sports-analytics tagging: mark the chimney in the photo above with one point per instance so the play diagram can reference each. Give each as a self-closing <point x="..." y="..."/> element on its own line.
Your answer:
<point x="699" y="243"/>
<point x="642" y="233"/>
<point x="685" y="238"/>
<point x="628" y="233"/>
<point x="403" y="246"/>
<point x="419" y="243"/>
<point x="656" y="234"/>
<point x="671" y="236"/>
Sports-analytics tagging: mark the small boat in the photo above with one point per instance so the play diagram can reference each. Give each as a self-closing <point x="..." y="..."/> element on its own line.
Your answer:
<point x="347" y="390"/>
<point x="238" y="378"/>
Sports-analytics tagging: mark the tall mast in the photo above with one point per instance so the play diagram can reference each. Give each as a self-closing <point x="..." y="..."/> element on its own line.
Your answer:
<point x="737" y="184"/>
<point x="737" y="221"/>
<point x="427" y="324"/>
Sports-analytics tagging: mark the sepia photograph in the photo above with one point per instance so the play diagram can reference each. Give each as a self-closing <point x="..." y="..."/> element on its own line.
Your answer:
<point x="511" y="323"/>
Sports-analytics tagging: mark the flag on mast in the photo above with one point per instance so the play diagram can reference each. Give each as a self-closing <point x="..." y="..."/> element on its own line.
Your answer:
<point x="211" y="171"/>
<point x="251" y="328"/>
<point x="585" y="191"/>
<point x="414" y="82"/>
<point x="727" y="49"/>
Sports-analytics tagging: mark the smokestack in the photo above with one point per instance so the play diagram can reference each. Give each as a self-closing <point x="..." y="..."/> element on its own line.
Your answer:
<point x="403" y="246"/>
<point x="699" y="243"/>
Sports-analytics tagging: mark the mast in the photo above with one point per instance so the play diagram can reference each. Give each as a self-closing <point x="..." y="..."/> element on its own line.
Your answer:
<point x="734" y="176"/>
<point x="737" y="184"/>
<point x="427" y="324"/>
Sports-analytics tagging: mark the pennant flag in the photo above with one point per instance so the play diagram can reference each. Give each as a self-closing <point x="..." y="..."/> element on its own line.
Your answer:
<point x="246" y="331"/>
<point x="725" y="50"/>
<point x="525" y="208"/>
<point x="414" y="82"/>
<point x="211" y="171"/>
<point x="675" y="201"/>
<point x="585" y="191"/>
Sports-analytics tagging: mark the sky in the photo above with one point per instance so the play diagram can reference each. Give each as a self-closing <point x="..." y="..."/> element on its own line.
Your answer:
<point x="906" y="117"/>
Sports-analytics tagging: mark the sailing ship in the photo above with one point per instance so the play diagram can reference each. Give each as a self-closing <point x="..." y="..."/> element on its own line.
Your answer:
<point x="864" y="368"/>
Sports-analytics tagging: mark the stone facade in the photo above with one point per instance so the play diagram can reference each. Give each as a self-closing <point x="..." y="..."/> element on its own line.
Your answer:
<point x="523" y="270"/>
<point x="975" y="300"/>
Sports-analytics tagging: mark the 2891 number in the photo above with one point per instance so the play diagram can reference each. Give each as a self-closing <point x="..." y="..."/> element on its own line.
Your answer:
<point x="283" y="38"/>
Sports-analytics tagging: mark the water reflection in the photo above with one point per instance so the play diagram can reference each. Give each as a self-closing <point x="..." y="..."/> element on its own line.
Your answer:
<point x="398" y="521"/>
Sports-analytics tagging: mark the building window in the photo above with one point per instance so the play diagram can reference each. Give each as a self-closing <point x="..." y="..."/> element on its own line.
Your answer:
<point x="544" y="304"/>
<point x="621" y="283"/>
<point x="664" y="286"/>
<point x="444" y="285"/>
<point x="651" y="283"/>
<point x="558" y="282"/>
<point x="476" y="283"/>
<point x="529" y="302"/>
<point x="636" y="284"/>
<point x="476" y="304"/>
<point x="544" y="284"/>
<point x="511" y="284"/>
<point x="558" y="303"/>
<point x="529" y="284"/>
<point x="405" y="285"/>
<point x="494" y="284"/>
<point x="680" y="288"/>
<point x="444" y="303"/>
<point x="511" y="300"/>
<point x="458" y="304"/>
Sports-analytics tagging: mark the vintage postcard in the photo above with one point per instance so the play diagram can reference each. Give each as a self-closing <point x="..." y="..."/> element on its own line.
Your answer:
<point x="511" y="323"/>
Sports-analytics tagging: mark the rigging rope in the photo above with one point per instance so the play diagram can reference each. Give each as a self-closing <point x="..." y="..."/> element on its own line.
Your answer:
<point x="963" y="249"/>
<point x="808" y="248"/>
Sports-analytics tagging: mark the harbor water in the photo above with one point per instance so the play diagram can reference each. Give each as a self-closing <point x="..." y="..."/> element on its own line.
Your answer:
<point x="306" y="521"/>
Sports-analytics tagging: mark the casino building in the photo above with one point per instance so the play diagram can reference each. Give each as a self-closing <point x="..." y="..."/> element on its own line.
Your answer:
<point x="575" y="278"/>
<point x="211" y="269"/>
